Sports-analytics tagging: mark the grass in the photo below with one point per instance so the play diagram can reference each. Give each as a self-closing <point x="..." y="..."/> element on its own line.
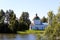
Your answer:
<point x="31" y="32"/>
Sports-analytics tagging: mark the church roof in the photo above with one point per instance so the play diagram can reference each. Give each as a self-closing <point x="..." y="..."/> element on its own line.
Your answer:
<point x="36" y="18"/>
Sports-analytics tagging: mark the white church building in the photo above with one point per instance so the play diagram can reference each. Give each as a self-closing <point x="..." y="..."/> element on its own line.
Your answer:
<point x="37" y="24"/>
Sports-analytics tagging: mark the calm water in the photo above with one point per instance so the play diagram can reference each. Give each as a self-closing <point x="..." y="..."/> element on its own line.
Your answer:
<point x="19" y="37"/>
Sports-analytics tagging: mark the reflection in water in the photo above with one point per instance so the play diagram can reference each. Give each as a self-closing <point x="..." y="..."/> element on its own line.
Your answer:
<point x="18" y="37"/>
<point x="25" y="37"/>
<point x="38" y="37"/>
<point x="7" y="36"/>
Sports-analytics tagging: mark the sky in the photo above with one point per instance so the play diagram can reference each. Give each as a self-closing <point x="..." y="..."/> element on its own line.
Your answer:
<point x="41" y="7"/>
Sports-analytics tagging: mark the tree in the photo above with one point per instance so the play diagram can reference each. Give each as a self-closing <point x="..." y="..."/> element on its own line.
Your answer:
<point x="2" y="14"/>
<point x="58" y="15"/>
<point x="12" y="21"/>
<point x="50" y="17"/>
<point x="50" y="29"/>
<point x="44" y="19"/>
<point x="24" y="20"/>
<point x="50" y="14"/>
<point x="54" y="31"/>
<point x="2" y="17"/>
<point x="7" y="17"/>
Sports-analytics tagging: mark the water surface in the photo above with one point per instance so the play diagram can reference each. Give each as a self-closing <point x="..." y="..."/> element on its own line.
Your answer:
<point x="18" y="37"/>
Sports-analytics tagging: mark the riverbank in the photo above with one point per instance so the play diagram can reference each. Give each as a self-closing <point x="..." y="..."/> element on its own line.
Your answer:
<point x="31" y="32"/>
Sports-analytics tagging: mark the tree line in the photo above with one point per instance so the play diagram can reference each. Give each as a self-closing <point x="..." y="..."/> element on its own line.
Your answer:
<point x="9" y="23"/>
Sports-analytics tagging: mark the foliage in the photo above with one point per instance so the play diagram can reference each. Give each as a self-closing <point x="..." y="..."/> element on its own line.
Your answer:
<point x="12" y="25"/>
<point x="2" y="13"/>
<point x="12" y="21"/>
<point x="50" y="17"/>
<point x="2" y="16"/>
<point x="53" y="31"/>
<point x="50" y="14"/>
<point x="44" y="19"/>
<point x="24" y="21"/>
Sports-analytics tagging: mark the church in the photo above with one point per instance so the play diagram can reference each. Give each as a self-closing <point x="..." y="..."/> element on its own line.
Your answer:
<point x="37" y="24"/>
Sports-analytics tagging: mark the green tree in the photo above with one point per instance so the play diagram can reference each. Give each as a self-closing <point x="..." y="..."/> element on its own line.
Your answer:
<point x="44" y="19"/>
<point x="54" y="31"/>
<point x="12" y="21"/>
<point x="50" y="29"/>
<point x="2" y="14"/>
<point x="50" y="17"/>
<point x="2" y="17"/>
<point x="24" y="20"/>
<point x="50" y="14"/>
<point x="58" y="16"/>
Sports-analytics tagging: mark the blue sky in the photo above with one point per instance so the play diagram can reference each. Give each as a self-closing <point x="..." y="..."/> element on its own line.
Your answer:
<point x="41" y="7"/>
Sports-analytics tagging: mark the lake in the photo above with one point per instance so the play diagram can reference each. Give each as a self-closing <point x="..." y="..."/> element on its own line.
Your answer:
<point x="19" y="37"/>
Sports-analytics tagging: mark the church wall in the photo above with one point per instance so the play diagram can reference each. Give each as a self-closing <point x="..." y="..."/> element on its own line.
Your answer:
<point x="36" y="21"/>
<point x="39" y="27"/>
